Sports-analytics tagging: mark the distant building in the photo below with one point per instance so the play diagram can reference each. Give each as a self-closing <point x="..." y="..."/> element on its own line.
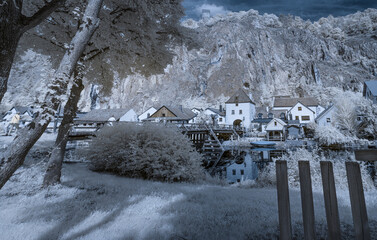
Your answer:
<point x="275" y="130"/>
<point x="370" y="90"/>
<point x="238" y="172"/>
<point x="304" y="110"/>
<point x="26" y="115"/>
<point x="216" y="116"/>
<point x="327" y="116"/>
<point x="240" y="110"/>
<point x="98" y="117"/>
<point x="148" y="113"/>
<point x="172" y="114"/>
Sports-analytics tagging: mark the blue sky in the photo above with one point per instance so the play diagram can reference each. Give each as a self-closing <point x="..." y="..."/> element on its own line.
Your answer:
<point x="307" y="9"/>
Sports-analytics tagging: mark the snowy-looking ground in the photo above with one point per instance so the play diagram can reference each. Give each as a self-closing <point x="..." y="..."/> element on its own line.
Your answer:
<point x="90" y="205"/>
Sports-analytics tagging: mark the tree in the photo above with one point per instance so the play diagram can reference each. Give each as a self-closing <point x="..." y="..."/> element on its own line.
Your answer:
<point x="149" y="26"/>
<point x="16" y="152"/>
<point x="13" y="24"/>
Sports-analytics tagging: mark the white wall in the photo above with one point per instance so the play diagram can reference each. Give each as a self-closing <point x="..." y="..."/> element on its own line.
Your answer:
<point x="295" y="112"/>
<point x="130" y="116"/>
<point x="144" y="115"/>
<point x="247" y="115"/>
<point x="278" y="127"/>
<point x="249" y="168"/>
<point x="327" y="118"/>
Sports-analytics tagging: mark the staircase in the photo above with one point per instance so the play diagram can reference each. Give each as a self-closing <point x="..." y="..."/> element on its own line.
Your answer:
<point x="213" y="150"/>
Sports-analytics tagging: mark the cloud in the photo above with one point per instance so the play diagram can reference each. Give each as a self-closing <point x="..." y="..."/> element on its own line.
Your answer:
<point x="214" y="9"/>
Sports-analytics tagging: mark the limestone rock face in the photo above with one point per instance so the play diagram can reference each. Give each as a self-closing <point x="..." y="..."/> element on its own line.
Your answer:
<point x="264" y="54"/>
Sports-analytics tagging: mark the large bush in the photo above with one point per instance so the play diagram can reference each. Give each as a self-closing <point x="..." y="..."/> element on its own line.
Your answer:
<point x="149" y="151"/>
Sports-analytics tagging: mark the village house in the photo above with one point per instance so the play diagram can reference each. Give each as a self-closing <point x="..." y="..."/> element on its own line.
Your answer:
<point x="304" y="110"/>
<point x="238" y="172"/>
<point x="146" y="114"/>
<point x="198" y="112"/>
<point x="240" y="110"/>
<point x="326" y="117"/>
<point x="214" y="116"/>
<point x="172" y="114"/>
<point x="370" y="90"/>
<point x="98" y="117"/>
<point x="276" y="130"/>
<point x="26" y="115"/>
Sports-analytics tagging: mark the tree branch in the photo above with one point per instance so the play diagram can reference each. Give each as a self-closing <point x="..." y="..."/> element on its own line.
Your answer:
<point x="40" y="15"/>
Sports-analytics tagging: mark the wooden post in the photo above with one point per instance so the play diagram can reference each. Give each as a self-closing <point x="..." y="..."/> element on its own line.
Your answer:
<point x="307" y="200"/>
<point x="283" y="200"/>
<point x="359" y="210"/>
<point x="331" y="203"/>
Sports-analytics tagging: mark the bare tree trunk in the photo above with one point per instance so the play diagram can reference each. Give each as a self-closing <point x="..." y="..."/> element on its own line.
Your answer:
<point x="16" y="152"/>
<point x="54" y="166"/>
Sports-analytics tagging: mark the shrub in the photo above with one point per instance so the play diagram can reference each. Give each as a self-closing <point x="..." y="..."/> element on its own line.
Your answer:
<point x="149" y="151"/>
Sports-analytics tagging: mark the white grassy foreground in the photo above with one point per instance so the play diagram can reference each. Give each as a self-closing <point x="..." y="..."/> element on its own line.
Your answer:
<point x="91" y="205"/>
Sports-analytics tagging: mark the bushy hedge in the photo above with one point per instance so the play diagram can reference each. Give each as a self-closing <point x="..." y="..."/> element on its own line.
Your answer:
<point x="149" y="151"/>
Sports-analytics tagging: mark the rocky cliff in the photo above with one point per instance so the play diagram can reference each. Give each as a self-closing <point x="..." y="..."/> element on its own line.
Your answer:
<point x="265" y="54"/>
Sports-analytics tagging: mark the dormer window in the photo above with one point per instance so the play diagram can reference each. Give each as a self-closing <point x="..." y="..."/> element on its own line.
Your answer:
<point x="300" y="108"/>
<point x="282" y="115"/>
<point x="270" y="115"/>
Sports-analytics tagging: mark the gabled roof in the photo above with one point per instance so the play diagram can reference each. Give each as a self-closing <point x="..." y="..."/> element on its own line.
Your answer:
<point x="372" y="86"/>
<point x="281" y="122"/>
<point x="324" y="112"/>
<point x="217" y="111"/>
<point x="180" y="113"/>
<point x="22" y="109"/>
<point x="103" y="115"/>
<point x="290" y="102"/>
<point x="301" y="104"/>
<point x="240" y="97"/>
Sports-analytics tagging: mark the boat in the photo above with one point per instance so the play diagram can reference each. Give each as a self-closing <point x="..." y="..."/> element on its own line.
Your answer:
<point x="263" y="144"/>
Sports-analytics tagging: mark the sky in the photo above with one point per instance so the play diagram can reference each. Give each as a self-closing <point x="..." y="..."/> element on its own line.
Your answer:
<point x="306" y="9"/>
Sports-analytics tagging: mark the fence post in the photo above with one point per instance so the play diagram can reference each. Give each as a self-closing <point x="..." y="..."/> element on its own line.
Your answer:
<point x="331" y="204"/>
<point x="307" y="200"/>
<point x="359" y="211"/>
<point x="283" y="200"/>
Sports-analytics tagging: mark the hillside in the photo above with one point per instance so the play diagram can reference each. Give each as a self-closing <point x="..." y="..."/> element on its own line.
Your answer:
<point x="265" y="54"/>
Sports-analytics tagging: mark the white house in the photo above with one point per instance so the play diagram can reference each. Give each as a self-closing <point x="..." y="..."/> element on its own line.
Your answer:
<point x="213" y="116"/>
<point x="301" y="113"/>
<point x="287" y="103"/>
<point x="275" y="130"/>
<point x="240" y="110"/>
<point x="129" y="116"/>
<point x="327" y="116"/>
<point x="147" y="113"/>
<point x="243" y="171"/>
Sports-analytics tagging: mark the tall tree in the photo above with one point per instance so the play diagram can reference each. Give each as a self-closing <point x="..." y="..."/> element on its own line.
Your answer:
<point x="13" y="24"/>
<point x="16" y="152"/>
<point x="133" y="35"/>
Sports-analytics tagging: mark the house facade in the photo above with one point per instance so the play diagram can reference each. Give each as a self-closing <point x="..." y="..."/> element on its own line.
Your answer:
<point x="240" y="110"/>
<point x="238" y="172"/>
<point x="147" y="113"/>
<point x="301" y="113"/>
<point x="370" y="90"/>
<point x="326" y="117"/>
<point x="173" y="114"/>
<point x="276" y="130"/>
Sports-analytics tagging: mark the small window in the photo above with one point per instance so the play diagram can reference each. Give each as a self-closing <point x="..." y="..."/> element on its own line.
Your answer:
<point x="305" y="118"/>
<point x="236" y="104"/>
<point x="300" y="108"/>
<point x="260" y="115"/>
<point x="240" y="111"/>
<point x="220" y="119"/>
<point x="297" y="118"/>
<point x="270" y="115"/>
<point x="233" y="112"/>
<point x="238" y="180"/>
<point x="163" y="115"/>
<point x="359" y="118"/>
<point x="234" y="171"/>
<point x="148" y="115"/>
<point x="242" y="172"/>
<point x="275" y="123"/>
<point x="328" y="120"/>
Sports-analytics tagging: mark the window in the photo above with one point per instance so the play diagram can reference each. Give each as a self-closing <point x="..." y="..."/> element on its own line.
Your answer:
<point x="242" y="172"/>
<point x="305" y="118"/>
<point x="275" y="123"/>
<point x="234" y="171"/>
<point x="359" y="118"/>
<point x="236" y="104"/>
<point x="220" y="119"/>
<point x="232" y="112"/>
<point x="240" y="112"/>
<point x="148" y="115"/>
<point x="260" y="115"/>
<point x="328" y="119"/>
<point x="297" y="118"/>
<point x="238" y="180"/>
<point x="300" y="108"/>
<point x="163" y="115"/>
